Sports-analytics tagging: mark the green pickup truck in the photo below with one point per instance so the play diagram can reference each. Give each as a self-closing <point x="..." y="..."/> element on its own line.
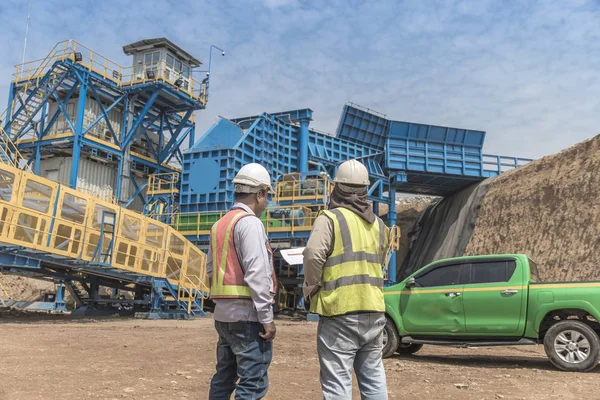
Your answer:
<point x="495" y="300"/>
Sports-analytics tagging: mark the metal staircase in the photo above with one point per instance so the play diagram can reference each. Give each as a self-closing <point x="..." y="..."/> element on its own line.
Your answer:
<point x="30" y="100"/>
<point x="78" y="292"/>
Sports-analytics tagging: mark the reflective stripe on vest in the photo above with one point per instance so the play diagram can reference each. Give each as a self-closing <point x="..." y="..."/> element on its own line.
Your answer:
<point x="352" y="279"/>
<point x="228" y="276"/>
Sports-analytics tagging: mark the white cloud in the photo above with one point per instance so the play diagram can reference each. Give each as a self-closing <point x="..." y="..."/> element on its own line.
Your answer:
<point x="524" y="72"/>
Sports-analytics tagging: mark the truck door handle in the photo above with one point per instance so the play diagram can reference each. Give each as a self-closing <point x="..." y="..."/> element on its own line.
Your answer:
<point x="452" y="294"/>
<point x="509" y="292"/>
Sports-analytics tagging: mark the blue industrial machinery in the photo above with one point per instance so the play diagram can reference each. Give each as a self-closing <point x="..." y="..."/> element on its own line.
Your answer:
<point x="401" y="157"/>
<point x="77" y="105"/>
<point x="101" y="138"/>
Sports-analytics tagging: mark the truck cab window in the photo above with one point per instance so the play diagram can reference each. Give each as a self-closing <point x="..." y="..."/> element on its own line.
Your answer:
<point x="489" y="272"/>
<point x="442" y="276"/>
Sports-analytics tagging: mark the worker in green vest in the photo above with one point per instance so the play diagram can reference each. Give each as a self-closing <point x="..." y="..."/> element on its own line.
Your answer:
<point x="343" y="283"/>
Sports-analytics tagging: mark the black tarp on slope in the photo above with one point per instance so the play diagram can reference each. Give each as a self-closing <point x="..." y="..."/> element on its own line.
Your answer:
<point x="444" y="229"/>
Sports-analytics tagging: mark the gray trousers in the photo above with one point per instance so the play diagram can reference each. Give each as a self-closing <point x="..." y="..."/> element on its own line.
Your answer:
<point x="352" y="342"/>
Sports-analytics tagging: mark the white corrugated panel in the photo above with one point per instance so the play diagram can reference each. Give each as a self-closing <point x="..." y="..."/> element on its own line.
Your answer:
<point x="57" y="169"/>
<point x="93" y="178"/>
<point x="97" y="178"/>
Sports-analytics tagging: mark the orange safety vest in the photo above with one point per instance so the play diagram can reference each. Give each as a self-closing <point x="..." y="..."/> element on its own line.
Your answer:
<point x="228" y="275"/>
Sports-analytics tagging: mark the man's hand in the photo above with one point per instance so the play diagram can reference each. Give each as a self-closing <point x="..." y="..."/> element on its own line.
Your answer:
<point x="269" y="333"/>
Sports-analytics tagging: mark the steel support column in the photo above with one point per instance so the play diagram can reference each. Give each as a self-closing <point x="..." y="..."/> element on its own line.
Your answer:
<point x="59" y="300"/>
<point x="303" y="146"/>
<point x="78" y="130"/>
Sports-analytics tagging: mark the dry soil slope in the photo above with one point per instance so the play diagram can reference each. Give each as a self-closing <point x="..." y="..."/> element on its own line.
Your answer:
<point x="550" y="210"/>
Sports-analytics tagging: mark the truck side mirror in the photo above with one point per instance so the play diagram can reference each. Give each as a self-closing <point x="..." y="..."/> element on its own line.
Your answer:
<point x="410" y="283"/>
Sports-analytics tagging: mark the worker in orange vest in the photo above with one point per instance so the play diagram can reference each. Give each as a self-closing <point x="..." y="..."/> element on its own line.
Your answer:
<point x="240" y="266"/>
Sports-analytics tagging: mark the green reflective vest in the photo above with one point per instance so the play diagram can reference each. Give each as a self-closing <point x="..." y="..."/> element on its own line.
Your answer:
<point x="352" y="275"/>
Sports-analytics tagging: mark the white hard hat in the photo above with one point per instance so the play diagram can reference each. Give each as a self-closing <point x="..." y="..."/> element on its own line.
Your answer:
<point x="251" y="178"/>
<point x="352" y="172"/>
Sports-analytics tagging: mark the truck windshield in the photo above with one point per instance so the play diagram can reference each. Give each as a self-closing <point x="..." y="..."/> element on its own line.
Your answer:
<point x="535" y="276"/>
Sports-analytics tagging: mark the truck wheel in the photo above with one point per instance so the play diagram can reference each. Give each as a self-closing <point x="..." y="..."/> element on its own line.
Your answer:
<point x="572" y="346"/>
<point x="409" y="348"/>
<point x="390" y="338"/>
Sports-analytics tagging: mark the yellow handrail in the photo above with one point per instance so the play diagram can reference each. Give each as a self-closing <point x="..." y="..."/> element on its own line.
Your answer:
<point x="163" y="183"/>
<point x="43" y="216"/>
<point x="297" y="218"/>
<point x="12" y="157"/>
<point x="110" y="70"/>
<point x="315" y="189"/>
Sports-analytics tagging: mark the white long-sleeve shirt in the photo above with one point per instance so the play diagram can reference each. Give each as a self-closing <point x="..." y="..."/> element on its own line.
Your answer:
<point x="251" y="245"/>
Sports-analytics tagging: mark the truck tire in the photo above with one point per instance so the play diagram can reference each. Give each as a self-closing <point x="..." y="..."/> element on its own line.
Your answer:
<point x="572" y="346"/>
<point x="390" y="338"/>
<point x="409" y="348"/>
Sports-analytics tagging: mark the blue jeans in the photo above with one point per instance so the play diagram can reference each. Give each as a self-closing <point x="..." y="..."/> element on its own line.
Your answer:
<point x="243" y="355"/>
<point x="350" y="342"/>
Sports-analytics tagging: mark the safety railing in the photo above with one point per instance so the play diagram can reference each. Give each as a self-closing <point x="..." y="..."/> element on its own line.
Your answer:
<point x="110" y="70"/>
<point x="312" y="189"/>
<point x="162" y="71"/>
<point x="37" y="69"/>
<point x="446" y="158"/>
<point x="165" y="183"/>
<point x="275" y="219"/>
<point x="9" y="154"/>
<point x="498" y="164"/>
<point x="44" y="216"/>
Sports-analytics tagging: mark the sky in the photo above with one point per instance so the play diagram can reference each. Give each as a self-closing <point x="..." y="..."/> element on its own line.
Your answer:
<point x="526" y="72"/>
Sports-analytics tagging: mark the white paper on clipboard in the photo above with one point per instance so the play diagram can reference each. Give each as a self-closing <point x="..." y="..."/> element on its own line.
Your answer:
<point x="293" y="256"/>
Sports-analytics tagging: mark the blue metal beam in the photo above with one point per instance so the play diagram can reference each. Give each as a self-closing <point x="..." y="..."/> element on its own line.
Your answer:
<point x="63" y="109"/>
<point x="78" y="131"/>
<point x="139" y="119"/>
<point x="154" y="153"/>
<point x="104" y="115"/>
<point x="174" y="138"/>
<point x="145" y="125"/>
<point x="58" y="112"/>
<point x="138" y="192"/>
<point x="303" y="146"/>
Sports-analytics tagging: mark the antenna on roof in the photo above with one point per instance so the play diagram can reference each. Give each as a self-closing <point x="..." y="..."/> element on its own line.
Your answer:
<point x="26" y="30"/>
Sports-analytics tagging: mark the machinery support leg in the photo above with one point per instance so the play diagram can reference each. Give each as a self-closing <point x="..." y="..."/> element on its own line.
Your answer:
<point x="303" y="146"/>
<point x="94" y="295"/>
<point x="156" y="301"/>
<point x="59" y="301"/>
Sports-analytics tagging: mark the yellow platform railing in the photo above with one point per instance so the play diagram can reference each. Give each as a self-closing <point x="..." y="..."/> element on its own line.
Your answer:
<point x="290" y="189"/>
<point x="289" y="219"/>
<point x="44" y="216"/>
<point x="165" y="183"/>
<point x="10" y="154"/>
<point x="110" y="70"/>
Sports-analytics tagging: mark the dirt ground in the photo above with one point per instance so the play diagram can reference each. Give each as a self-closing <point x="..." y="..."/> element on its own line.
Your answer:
<point x="140" y="359"/>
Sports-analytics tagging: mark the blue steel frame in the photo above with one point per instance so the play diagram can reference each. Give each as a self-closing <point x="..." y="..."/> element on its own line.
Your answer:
<point x="154" y="106"/>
